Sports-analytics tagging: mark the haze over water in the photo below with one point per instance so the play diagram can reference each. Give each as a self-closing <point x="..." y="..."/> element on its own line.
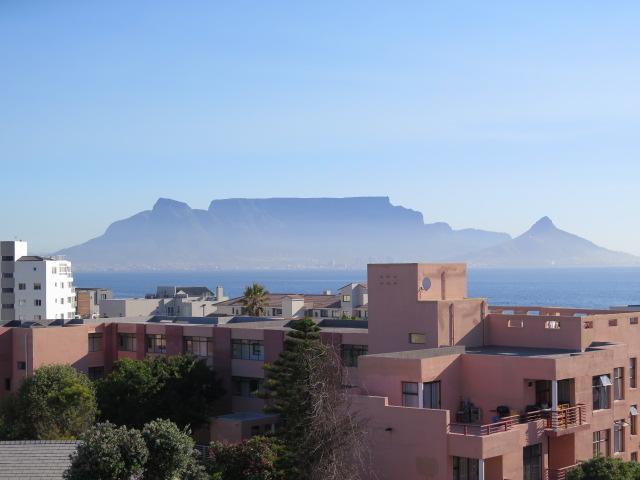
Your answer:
<point x="579" y="287"/>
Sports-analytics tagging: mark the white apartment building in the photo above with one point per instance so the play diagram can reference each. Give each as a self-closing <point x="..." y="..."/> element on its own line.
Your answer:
<point x="42" y="287"/>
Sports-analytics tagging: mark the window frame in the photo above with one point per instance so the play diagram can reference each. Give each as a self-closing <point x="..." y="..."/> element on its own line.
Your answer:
<point x="409" y="397"/>
<point x="247" y="349"/>
<point x="600" y="439"/>
<point x="130" y="344"/>
<point x="601" y="393"/>
<point x="618" y="383"/>
<point x="95" y="342"/>
<point x="155" y="343"/>
<point x="349" y="353"/>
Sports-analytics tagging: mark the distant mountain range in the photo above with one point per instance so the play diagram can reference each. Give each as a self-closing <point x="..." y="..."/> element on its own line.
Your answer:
<point x="317" y="233"/>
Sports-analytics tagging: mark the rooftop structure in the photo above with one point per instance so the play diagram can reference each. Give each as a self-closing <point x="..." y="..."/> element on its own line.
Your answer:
<point x="35" y="459"/>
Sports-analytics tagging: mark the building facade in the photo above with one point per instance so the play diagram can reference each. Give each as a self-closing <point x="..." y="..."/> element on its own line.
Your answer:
<point x="88" y="301"/>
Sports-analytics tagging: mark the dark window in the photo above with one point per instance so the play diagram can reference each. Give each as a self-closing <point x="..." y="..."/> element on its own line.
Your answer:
<point x="156" y="343"/>
<point x="634" y="457"/>
<point x="601" y="443"/>
<point x="96" y="372"/>
<point x="198" y="346"/>
<point x="95" y="342"/>
<point x="350" y="354"/>
<point x="246" y="386"/>
<point x="242" y="349"/>
<point x="564" y="392"/>
<point x="466" y="468"/>
<point x="21" y="365"/>
<point x="543" y="393"/>
<point x="618" y="436"/>
<point x="7" y="258"/>
<point x="532" y="462"/>
<point x="324" y="313"/>
<point x="410" y="394"/>
<point x="22" y="286"/>
<point x="7" y="384"/>
<point x="632" y="373"/>
<point x="618" y="383"/>
<point x="37" y="286"/>
<point x="431" y="395"/>
<point x="7" y="275"/>
<point x="601" y="387"/>
<point x="127" y="342"/>
<point x="417" y="338"/>
<point x="7" y="290"/>
<point x="255" y="430"/>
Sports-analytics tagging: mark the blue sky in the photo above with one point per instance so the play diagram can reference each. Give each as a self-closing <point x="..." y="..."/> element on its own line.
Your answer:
<point x="486" y="116"/>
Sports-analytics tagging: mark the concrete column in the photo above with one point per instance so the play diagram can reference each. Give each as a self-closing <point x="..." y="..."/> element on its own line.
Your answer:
<point x="481" y="469"/>
<point x="554" y="395"/>
<point x="420" y="395"/>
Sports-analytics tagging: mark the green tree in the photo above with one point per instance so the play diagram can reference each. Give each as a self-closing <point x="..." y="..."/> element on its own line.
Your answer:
<point x="180" y="388"/>
<point x="255" y="300"/>
<point x="56" y="402"/>
<point x="253" y="459"/>
<point x="172" y="455"/>
<point x="605" y="468"/>
<point x="107" y="452"/>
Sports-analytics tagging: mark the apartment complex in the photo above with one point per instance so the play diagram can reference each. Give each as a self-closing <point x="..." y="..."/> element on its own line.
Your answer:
<point x="451" y="387"/>
<point x="35" y="287"/>
<point x="351" y="301"/>
<point x="88" y="301"/>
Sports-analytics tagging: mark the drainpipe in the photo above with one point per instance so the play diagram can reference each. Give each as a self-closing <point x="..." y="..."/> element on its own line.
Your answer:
<point x="481" y="469"/>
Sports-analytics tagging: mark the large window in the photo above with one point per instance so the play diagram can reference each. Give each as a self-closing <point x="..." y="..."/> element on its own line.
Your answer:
<point x="632" y="372"/>
<point x="350" y="354"/>
<point x="156" y="343"/>
<point x="242" y="349"/>
<point x="465" y="468"/>
<point x="601" y="443"/>
<point x="410" y="394"/>
<point x="618" y="383"/>
<point x="601" y="387"/>
<point x="532" y="462"/>
<point x="95" y="342"/>
<point x="431" y="395"/>
<point x="127" y="342"/>
<point x="618" y="436"/>
<point x="199" y="346"/>
<point x="245" y="386"/>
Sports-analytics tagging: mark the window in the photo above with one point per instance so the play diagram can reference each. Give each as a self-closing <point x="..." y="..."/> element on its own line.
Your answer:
<point x="618" y="436"/>
<point x="552" y="324"/>
<point x="431" y="395"/>
<point x="633" y="321"/>
<point x="410" y="394"/>
<point x="633" y="419"/>
<point x="632" y="372"/>
<point x="156" y="343"/>
<point x="7" y="275"/>
<point x="601" y="386"/>
<point x="37" y="317"/>
<point x="21" y="365"/>
<point x="323" y="313"/>
<point x="634" y="457"/>
<point x="7" y="384"/>
<point x="127" y="342"/>
<point x="37" y="303"/>
<point x="417" y="338"/>
<point x="618" y="383"/>
<point x="95" y="342"/>
<point x="37" y="286"/>
<point x="61" y="284"/>
<point x="601" y="443"/>
<point x="8" y="306"/>
<point x="245" y="386"/>
<point x="54" y="270"/>
<point x="255" y="430"/>
<point x="7" y="290"/>
<point x="613" y="322"/>
<point x="22" y="286"/>
<point x="346" y="298"/>
<point x="22" y="301"/>
<point x="350" y="354"/>
<point x="198" y="346"/>
<point x="532" y="462"/>
<point x="7" y="258"/>
<point x="466" y="468"/>
<point x="242" y="349"/>
<point x="95" y="373"/>
<point x="276" y="312"/>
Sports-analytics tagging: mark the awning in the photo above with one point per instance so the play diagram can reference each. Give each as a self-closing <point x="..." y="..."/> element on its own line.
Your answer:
<point x="633" y="410"/>
<point x="605" y="381"/>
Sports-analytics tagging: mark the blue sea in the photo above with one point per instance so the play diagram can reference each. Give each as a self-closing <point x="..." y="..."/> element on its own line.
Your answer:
<point x="559" y="287"/>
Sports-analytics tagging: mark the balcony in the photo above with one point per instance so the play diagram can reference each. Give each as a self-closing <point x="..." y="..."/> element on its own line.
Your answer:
<point x="559" y="473"/>
<point x="566" y="420"/>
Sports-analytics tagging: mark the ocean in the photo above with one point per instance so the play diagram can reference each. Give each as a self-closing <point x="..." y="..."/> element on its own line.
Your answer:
<point x="559" y="287"/>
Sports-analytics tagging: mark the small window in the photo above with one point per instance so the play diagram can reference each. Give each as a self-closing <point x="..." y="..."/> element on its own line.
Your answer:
<point x="410" y="394"/>
<point x="634" y="457"/>
<point x="37" y="303"/>
<point x="127" y="342"/>
<point x="7" y="384"/>
<point x="417" y="338"/>
<point x="633" y="419"/>
<point x="95" y="373"/>
<point x="613" y="322"/>
<point x="21" y="365"/>
<point x="633" y="321"/>
<point x="95" y="342"/>
<point x="618" y="436"/>
<point x="618" y="383"/>
<point x="346" y="298"/>
<point x="632" y="373"/>
<point x="350" y="354"/>
<point x="515" y="323"/>
<point x="22" y="286"/>
<point x="601" y="387"/>
<point x="37" y="286"/>
<point x="552" y="324"/>
<point x="588" y="324"/>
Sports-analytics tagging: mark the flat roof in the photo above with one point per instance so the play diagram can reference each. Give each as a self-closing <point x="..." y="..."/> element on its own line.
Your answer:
<point x="521" y="351"/>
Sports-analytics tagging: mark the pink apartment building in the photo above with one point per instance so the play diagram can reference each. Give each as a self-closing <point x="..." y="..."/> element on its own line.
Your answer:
<point x="451" y="387"/>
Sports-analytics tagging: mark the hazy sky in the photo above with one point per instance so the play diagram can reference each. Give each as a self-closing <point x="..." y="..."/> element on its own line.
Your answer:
<point x="481" y="114"/>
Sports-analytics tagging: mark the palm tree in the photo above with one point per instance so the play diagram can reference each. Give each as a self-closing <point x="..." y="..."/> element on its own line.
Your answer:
<point x="255" y="300"/>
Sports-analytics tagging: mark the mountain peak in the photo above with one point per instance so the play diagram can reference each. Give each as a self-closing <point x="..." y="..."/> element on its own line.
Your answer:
<point x="545" y="224"/>
<point x="164" y="204"/>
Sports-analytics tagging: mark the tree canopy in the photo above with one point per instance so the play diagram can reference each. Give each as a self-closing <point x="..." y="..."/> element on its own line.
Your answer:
<point x="56" y="402"/>
<point x="180" y="388"/>
<point x="253" y="459"/>
<point x="255" y="300"/>
<point x="605" y="468"/>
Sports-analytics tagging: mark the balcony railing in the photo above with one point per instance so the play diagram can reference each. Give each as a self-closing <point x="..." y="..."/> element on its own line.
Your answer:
<point x="559" y="473"/>
<point x="553" y="420"/>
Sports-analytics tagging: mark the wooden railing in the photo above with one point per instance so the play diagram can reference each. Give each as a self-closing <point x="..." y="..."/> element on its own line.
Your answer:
<point x="559" y="420"/>
<point x="559" y="473"/>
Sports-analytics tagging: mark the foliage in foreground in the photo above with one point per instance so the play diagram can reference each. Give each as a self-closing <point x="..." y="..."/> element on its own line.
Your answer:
<point x="179" y="388"/>
<point x="255" y="300"/>
<point x="160" y="452"/>
<point x="253" y="459"/>
<point x="56" y="402"/>
<point x="605" y="468"/>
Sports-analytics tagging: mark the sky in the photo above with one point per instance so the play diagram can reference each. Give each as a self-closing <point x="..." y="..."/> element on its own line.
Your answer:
<point x="481" y="114"/>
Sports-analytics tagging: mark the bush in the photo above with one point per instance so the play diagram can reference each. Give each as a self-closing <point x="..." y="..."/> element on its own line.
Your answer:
<point x="605" y="468"/>
<point x="253" y="459"/>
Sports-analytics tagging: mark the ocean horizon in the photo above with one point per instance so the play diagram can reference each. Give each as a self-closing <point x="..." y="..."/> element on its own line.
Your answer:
<point x="559" y="287"/>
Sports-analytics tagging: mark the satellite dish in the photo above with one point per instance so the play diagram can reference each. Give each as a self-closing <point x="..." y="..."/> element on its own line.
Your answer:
<point x="426" y="283"/>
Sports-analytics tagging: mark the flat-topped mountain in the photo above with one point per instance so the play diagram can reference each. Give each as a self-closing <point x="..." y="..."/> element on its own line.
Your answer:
<point x="317" y="233"/>
<point x="275" y="233"/>
<point x="544" y="244"/>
